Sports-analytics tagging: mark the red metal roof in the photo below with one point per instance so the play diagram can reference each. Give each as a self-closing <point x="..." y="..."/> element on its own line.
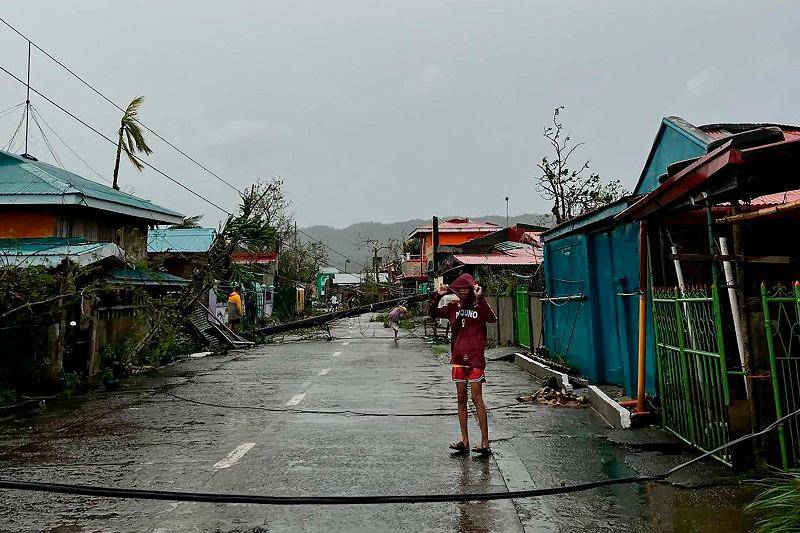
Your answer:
<point x="243" y="258"/>
<point x="777" y="198"/>
<point x="697" y="173"/>
<point x="721" y="131"/>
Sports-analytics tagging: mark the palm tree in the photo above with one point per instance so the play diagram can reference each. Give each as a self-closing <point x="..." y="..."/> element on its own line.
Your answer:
<point x="188" y="223"/>
<point x="131" y="139"/>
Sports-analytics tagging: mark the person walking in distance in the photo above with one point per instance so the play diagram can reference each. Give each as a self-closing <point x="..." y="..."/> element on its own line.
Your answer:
<point x="235" y="310"/>
<point x="468" y="317"/>
<point x="395" y="315"/>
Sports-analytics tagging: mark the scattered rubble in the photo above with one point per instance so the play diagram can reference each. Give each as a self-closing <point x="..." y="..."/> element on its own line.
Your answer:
<point x="551" y="396"/>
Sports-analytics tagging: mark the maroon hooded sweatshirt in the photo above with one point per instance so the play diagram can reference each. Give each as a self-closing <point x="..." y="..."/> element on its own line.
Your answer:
<point x="468" y="319"/>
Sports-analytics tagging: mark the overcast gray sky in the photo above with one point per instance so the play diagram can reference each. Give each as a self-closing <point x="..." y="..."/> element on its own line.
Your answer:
<point x="389" y="110"/>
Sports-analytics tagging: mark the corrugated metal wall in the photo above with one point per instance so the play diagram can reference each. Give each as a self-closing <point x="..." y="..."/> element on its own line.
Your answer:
<point x="597" y="332"/>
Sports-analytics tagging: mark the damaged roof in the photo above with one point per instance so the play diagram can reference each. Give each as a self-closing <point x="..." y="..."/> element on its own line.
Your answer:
<point x="457" y="225"/>
<point x="50" y="252"/>
<point x="508" y="253"/>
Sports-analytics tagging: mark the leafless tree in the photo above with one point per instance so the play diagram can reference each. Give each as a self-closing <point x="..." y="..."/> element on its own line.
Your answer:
<point x="572" y="191"/>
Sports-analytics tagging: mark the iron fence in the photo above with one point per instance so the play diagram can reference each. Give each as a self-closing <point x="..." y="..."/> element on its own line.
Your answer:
<point x="692" y="375"/>
<point x="781" y="307"/>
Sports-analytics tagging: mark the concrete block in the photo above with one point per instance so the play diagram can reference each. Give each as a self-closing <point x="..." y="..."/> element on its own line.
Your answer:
<point x="540" y="370"/>
<point x="611" y="411"/>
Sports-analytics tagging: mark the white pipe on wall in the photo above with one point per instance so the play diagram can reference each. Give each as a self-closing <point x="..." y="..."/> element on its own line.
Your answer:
<point x="729" y="281"/>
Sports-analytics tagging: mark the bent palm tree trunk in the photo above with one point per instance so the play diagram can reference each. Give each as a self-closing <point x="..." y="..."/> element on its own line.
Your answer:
<point x="116" y="164"/>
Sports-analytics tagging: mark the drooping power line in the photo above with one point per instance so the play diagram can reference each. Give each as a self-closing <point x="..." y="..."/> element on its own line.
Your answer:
<point x="110" y="140"/>
<point x="107" y="99"/>
<point x="91" y="87"/>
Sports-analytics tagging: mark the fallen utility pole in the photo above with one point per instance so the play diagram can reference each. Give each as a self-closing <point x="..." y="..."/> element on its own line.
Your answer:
<point x="323" y="319"/>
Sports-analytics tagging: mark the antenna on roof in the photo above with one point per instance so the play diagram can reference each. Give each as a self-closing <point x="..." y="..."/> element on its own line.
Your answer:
<point x="28" y="101"/>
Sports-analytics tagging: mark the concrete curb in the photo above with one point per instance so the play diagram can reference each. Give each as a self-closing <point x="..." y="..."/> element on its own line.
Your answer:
<point x="611" y="411"/>
<point x="538" y="369"/>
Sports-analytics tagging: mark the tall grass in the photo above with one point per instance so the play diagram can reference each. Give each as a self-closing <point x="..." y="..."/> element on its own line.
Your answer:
<point x="778" y="507"/>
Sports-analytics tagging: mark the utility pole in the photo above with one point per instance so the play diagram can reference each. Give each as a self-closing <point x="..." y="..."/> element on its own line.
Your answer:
<point x="435" y="244"/>
<point x="28" y="99"/>
<point x="375" y="264"/>
<point x="506" y="211"/>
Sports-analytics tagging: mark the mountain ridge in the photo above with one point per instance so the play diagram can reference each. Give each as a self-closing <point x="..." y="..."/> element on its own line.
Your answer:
<point x="346" y="240"/>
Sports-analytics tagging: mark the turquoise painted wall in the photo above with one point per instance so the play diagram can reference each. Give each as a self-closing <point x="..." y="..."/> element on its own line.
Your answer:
<point x="603" y="264"/>
<point x="672" y="144"/>
<point x="599" y="334"/>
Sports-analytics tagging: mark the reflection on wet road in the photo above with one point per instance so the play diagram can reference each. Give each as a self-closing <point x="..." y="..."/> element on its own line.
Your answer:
<point x="155" y="441"/>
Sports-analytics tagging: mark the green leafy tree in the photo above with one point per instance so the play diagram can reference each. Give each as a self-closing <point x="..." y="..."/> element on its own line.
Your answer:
<point x="131" y="139"/>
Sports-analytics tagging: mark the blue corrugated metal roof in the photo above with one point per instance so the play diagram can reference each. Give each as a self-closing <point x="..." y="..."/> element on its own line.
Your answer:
<point x="182" y="240"/>
<point x="51" y="252"/>
<point x="25" y="181"/>
<point x="144" y="276"/>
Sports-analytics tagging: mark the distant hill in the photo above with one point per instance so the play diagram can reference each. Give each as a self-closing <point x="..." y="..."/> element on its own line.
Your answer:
<point x="346" y="240"/>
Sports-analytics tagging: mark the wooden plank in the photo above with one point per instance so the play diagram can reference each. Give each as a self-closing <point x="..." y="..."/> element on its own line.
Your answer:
<point x="772" y="259"/>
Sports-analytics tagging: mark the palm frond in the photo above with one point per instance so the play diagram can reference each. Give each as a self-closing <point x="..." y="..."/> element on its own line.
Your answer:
<point x="132" y="111"/>
<point x="138" y="138"/>
<point x="133" y="159"/>
<point x="131" y="136"/>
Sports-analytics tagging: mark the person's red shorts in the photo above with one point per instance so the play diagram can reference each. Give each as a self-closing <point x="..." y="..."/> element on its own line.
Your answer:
<point x="468" y="374"/>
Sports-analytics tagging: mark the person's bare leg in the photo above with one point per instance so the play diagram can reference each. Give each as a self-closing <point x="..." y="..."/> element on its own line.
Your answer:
<point x="480" y="411"/>
<point x="461" y="391"/>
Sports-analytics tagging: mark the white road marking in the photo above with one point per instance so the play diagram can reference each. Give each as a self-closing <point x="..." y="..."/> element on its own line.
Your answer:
<point x="297" y="398"/>
<point x="345" y="343"/>
<point x="234" y="456"/>
<point x="324" y="372"/>
<point x="336" y="354"/>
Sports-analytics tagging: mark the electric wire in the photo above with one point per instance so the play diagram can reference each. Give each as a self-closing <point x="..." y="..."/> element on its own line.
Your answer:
<point x="145" y="126"/>
<point x="111" y="141"/>
<point x="149" y="129"/>
<point x="16" y="131"/>
<point x="81" y="159"/>
<point x="210" y="497"/>
<point x="107" y="99"/>
<point x="47" y="142"/>
<point x="328" y="412"/>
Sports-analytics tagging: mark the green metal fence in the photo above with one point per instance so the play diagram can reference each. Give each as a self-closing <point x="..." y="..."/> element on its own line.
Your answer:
<point x="691" y="366"/>
<point x="781" y="307"/>
<point x="522" y="317"/>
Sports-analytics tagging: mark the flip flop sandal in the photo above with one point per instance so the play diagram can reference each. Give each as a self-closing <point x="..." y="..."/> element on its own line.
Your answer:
<point x="459" y="447"/>
<point x="482" y="451"/>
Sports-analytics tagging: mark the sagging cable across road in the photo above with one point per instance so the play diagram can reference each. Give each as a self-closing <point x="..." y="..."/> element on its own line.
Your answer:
<point x="210" y="497"/>
<point x="326" y="412"/>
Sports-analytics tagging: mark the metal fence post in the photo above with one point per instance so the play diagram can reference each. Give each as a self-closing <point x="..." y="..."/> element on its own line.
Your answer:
<point x="684" y="368"/>
<point x="773" y="370"/>
<point x="723" y="365"/>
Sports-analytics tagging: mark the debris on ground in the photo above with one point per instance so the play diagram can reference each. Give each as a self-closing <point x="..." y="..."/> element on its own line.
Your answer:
<point x="551" y="396"/>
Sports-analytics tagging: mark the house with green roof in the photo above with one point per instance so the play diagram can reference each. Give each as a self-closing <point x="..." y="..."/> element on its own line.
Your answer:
<point x="180" y="250"/>
<point x="42" y="201"/>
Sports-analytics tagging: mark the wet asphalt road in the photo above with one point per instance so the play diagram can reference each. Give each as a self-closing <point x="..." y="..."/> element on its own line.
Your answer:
<point x="152" y="441"/>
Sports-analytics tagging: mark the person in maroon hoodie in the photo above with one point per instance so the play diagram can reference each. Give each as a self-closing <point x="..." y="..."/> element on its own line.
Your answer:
<point x="468" y="318"/>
